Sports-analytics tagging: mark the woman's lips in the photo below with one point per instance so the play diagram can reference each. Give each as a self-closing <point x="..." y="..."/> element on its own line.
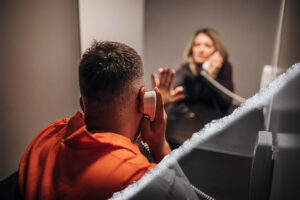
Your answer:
<point x="200" y="56"/>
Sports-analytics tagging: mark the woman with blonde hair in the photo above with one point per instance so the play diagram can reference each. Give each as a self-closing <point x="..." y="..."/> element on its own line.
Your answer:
<point x="205" y="52"/>
<point x="206" y="46"/>
<point x="200" y="101"/>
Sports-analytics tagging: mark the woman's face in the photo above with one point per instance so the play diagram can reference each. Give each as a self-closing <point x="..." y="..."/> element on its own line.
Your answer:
<point x="203" y="47"/>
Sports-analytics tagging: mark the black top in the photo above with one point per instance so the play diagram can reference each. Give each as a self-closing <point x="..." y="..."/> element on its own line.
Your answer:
<point x="198" y="90"/>
<point x="203" y="103"/>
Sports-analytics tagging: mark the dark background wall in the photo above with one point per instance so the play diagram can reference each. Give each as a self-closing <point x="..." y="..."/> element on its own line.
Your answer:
<point x="39" y="54"/>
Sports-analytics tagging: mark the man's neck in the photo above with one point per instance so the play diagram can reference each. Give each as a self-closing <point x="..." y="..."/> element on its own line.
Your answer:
<point x="115" y="123"/>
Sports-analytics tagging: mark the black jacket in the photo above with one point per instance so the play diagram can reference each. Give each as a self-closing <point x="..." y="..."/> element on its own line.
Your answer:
<point x="198" y="90"/>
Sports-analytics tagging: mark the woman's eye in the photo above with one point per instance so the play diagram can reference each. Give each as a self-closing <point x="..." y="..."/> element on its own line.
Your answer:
<point x="208" y="45"/>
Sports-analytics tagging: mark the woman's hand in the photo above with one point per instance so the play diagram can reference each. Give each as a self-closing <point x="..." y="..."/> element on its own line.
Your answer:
<point x="165" y="86"/>
<point x="216" y="62"/>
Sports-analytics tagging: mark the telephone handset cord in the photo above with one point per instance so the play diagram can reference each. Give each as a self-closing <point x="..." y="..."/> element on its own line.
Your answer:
<point x="202" y="194"/>
<point x="222" y="88"/>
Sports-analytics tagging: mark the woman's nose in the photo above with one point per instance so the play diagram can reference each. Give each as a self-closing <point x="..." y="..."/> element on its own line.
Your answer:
<point x="201" y="49"/>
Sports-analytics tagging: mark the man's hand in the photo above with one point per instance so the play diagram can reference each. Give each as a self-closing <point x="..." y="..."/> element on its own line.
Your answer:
<point x="216" y="61"/>
<point x="154" y="132"/>
<point x="165" y="86"/>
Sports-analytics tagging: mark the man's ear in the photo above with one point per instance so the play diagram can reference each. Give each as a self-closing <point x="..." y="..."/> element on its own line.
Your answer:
<point x="82" y="104"/>
<point x="141" y="99"/>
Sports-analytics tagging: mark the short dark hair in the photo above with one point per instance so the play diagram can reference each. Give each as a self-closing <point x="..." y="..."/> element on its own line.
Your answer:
<point x="106" y="68"/>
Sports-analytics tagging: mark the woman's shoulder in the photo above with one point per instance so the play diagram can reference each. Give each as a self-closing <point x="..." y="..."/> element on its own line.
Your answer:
<point x="227" y="64"/>
<point x="226" y="67"/>
<point x="183" y="67"/>
<point x="183" y="70"/>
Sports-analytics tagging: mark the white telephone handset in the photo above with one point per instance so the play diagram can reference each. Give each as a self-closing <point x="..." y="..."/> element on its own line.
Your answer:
<point x="150" y="104"/>
<point x="206" y="65"/>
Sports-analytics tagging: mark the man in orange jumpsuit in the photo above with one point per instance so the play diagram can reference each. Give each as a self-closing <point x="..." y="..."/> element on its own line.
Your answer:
<point x="93" y="155"/>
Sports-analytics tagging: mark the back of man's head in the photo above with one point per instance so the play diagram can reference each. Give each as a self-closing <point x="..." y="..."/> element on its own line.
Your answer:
<point x="106" y="71"/>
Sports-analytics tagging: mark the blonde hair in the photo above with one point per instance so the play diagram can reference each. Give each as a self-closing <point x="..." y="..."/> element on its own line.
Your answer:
<point x="188" y="53"/>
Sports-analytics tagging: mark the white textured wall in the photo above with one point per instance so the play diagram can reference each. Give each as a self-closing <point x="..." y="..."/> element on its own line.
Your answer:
<point x="115" y="20"/>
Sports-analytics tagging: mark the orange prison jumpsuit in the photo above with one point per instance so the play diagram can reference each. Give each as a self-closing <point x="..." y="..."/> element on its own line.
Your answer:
<point x="66" y="161"/>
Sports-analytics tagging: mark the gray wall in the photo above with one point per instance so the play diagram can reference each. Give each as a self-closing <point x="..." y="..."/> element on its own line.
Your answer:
<point x="40" y="51"/>
<point x="246" y="27"/>
<point x="290" y="41"/>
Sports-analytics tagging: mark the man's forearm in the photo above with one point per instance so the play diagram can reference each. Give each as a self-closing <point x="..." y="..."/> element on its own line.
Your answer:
<point x="160" y="151"/>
